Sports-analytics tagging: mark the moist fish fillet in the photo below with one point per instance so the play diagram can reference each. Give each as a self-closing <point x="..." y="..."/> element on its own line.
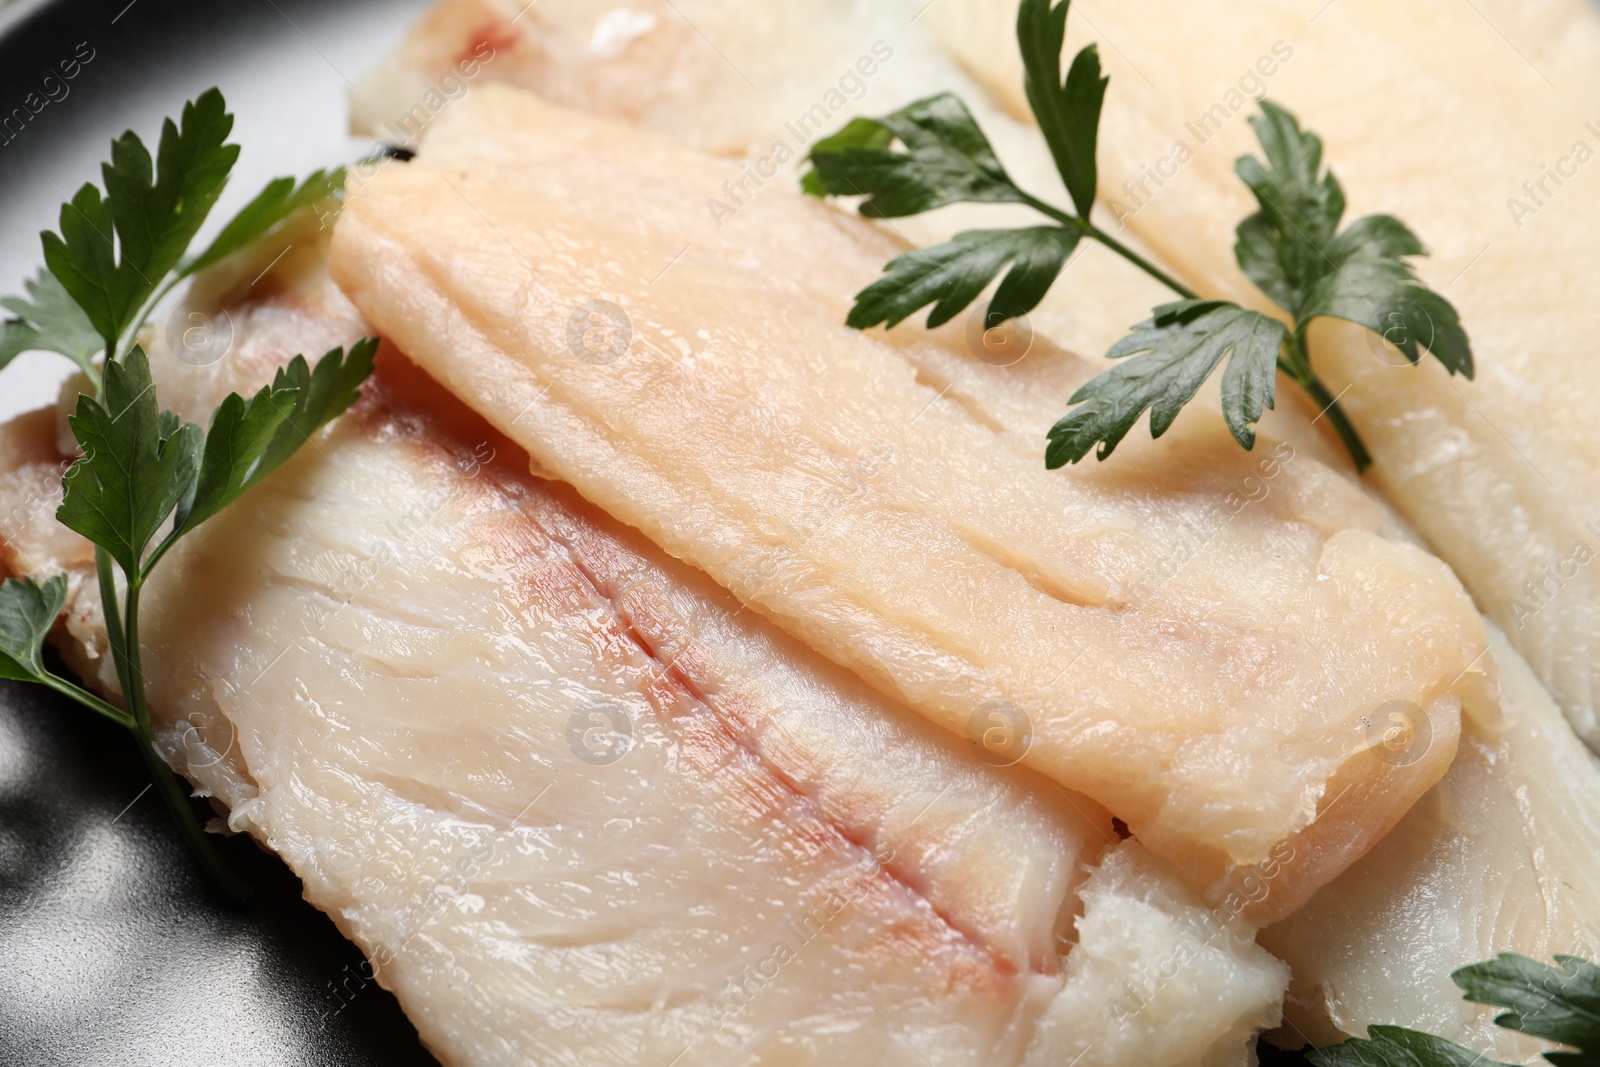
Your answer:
<point x="1499" y="857"/>
<point x="760" y="91"/>
<point x="573" y="802"/>
<point x="1098" y="298"/>
<point x="1437" y="112"/>
<point x="705" y="73"/>
<point x="1162" y="971"/>
<point x="817" y="473"/>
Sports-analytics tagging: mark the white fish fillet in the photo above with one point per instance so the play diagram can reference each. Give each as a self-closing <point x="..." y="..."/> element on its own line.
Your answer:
<point x="704" y="72"/>
<point x="1178" y="985"/>
<point x="760" y="91"/>
<point x="1437" y="112"/>
<point x="822" y="477"/>
<point x="1496" y="858"/>
<point x="1499" y="857"/>
<point x="403" y="663"/>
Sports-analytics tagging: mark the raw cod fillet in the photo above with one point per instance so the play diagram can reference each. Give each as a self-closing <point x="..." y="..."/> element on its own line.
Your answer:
<point x="575" y="804"/>
<point x="704" y="72"/>
<point x="759" y="92"/>
<point x="1515" y="781"/>
<point x="1162" y="970"/>
<point x="1438" y="113"/>
<point x="822" y="475"/>
<point x="1499" y="857"/>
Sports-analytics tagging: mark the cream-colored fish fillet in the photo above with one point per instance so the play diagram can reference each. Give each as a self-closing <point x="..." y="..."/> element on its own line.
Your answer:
<point x="726" y="412"/>
<point x="1476" y="125"/>
<point x="1096" y="300"/>
<point x="575" y="804"/>
<point x="1499" y="857"/>
<point x="759" y="92"/>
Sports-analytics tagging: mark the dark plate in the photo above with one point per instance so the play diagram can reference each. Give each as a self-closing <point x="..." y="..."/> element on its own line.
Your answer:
<point x="112" y="951"/>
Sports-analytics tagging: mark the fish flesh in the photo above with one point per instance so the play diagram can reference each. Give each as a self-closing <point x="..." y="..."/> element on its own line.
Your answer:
<point x="755" y="92"/>
<point x="574" y="802"/>
<point x="1164" y="970"/>
<point x="1499" y="857"/>
<point x="1459" y="129"/>
<point x="678" y="71"/>
<point x="703" y="72"/>
<point x="1493" y="859"/>
<point x="1091" y="308"/>
<point x="555" y="271"/>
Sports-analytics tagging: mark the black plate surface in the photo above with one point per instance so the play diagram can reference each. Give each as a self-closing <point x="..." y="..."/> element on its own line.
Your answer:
<point x="112" y="951"/>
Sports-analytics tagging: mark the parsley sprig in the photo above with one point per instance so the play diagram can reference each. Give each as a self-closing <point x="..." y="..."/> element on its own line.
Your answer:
<point x="119" y="252"/>
<point x="146" y="479"/>
<point x="1559" y="1002"/>
<point x="932" y="153"/>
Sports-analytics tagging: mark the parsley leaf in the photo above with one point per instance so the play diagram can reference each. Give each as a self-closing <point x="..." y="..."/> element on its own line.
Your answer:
<point x="116" y="256"/>
<point x="1292" y="249"/>
<point x="83" y="258"/>
<point x="153" y="208"/>
<point x="249" y="439"/>
<point x="271" y="207"/>
<point x="1369" y="284"/>
<point x="1174" y="351"/>
<point x="137" y="464"/>
<point x="840" y="158"/>
<point x="1280" y="248"/>
<point x="1395" y="1046"/>
<point x="954" y="273"/>
<point x="1560" y="1001"/>
<point x="49" y="321"/>
<point x="241" y="433"/>
<point x="946" y="159"/>
<point x="142" y="465"/>
<point x="119" y="252"/>
<point x="27" y="611"/>
<point x="1068" y="111"/>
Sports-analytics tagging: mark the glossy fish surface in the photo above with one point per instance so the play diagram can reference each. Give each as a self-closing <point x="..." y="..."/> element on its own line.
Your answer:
<point x="550" y="269"/>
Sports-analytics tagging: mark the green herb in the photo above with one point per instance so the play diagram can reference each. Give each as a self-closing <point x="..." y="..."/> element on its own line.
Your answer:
<point x="945" y="159"/>
<point x="119" y="252"/>
<point x="954" y="273"/>
<point x="1395" y="1046"/>
<point x="51" y="321"/>
<point x="153" y="216"/>
<point x="1559" y="1002"/>
<point x="274" y="205"/>
<point x="933" y="153"/>
<point x="27" y="612"/>
<point x="1068" y="111"/>
<point x="144" y="471"/>
<point x="1182" y="344"/>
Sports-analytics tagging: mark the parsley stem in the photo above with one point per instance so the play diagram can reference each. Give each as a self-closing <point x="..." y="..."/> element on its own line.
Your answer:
<point x="88" y="700"/>
<point x="1090" y="230"/>
<point x="1054" y="212"/>
<point x="1293" y="361"/>
<point x="131" y="334"/>
<point x="1143" y="264"/>
<point x="166" y="780"/>
<point x="108" y="608"/>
